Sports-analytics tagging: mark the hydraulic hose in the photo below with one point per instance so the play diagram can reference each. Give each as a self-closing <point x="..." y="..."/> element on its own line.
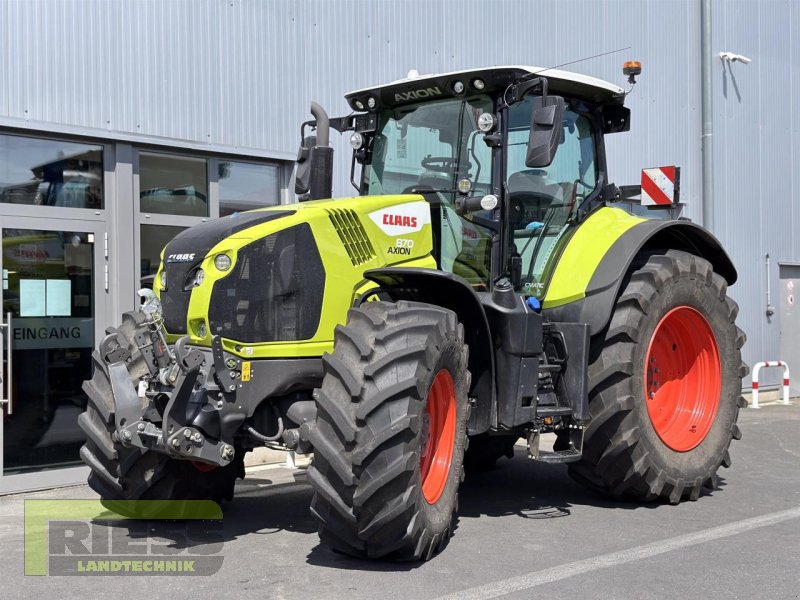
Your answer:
<point x="267" y="438"/>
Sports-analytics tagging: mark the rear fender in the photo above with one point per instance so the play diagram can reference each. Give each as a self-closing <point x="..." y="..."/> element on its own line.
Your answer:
<point x="597" y="303"/>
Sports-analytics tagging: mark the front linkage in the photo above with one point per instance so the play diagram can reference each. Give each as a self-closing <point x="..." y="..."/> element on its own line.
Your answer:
<point x="188" y="395"/>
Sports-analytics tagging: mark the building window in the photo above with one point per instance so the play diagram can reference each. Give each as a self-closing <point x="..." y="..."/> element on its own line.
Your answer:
<point x="50" y="172"/>
<point x="245" y="186"/>
<point x="173" y="185"/>
<point x="153" y="240"/>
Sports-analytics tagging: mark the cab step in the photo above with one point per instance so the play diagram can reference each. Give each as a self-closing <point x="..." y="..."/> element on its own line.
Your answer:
<point x="553" y="411"/>
<point x="571" y="454"/>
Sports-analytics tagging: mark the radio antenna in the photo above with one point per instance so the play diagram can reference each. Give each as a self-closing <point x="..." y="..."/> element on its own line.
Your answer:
<point x="572" y="62"/>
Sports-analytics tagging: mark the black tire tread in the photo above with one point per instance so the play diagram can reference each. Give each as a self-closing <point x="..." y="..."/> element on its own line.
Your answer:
<point x="614" y="461"/>
<point x="363" y="494"/>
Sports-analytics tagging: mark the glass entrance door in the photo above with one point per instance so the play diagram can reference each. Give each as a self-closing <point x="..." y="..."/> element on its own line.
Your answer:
<point x="53" y="301"/>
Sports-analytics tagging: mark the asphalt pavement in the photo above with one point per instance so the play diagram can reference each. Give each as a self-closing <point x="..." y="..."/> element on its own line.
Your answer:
<point x="526" y="530"/>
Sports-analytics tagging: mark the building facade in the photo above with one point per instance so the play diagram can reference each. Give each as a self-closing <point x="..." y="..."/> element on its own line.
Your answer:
<point x="123" y="122"/>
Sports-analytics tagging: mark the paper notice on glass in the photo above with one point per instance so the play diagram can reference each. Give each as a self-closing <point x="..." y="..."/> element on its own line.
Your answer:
<point x="32" y="297"/>
<point x="59" y="298"/>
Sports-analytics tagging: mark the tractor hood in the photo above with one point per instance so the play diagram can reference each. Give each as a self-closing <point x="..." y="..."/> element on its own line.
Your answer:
<point x="286" y="274"/>
<point x="193" y="244"/>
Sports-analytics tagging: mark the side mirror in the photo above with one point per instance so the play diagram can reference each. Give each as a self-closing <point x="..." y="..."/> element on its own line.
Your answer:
<point x="302" y="177"/>
<point x="314" y="176"/>
<point x="547" y="116"/>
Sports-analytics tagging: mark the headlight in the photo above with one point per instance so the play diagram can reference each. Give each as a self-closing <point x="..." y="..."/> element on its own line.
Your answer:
<point x="222" y="262"/>
<point x="202" y="331"/>
<point x="163" y="279"/>
<point x="356" y="141"/>
<point x="489" y="202"/>
<point x="478" y="84"/>
<point x="371" y="102"/>
<point x="487" y="122"/>
<point x="359" y="105"/>
<point x="199" y="277"/>
<point x="458" y="87"/>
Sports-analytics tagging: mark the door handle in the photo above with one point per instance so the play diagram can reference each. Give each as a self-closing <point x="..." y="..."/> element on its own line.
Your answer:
<point x="6" y="394"/>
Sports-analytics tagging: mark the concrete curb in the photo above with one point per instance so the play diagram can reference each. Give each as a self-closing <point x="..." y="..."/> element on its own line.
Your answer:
<point x="261" y="457"/>
<point x="768" y="398"/>
<point x="264" y="456"/>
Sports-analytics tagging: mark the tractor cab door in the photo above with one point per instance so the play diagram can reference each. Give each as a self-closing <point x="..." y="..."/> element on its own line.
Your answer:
<point x="427" y="149"/>
<point x="464" y="245"/>
<point x="543" y="202"/>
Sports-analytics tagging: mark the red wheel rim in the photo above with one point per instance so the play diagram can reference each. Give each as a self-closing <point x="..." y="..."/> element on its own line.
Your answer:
<point x="202" y="467"/>
<point x="683" y="378"/>
<point x="438" y="436"/>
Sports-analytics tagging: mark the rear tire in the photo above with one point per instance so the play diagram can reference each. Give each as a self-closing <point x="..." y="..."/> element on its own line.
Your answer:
<point x="123" y="473"/>
<point x="390" y="432"/>
<point x="662" y="432"/>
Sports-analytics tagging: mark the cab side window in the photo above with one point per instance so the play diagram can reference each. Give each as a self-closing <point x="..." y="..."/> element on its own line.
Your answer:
<point x="543" y="202"/>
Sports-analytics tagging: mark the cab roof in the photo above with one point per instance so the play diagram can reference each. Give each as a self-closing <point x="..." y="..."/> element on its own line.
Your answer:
<point x="423" y="87"/>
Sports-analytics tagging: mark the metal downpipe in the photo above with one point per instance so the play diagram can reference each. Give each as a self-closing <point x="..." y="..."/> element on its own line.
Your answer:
<point x="707" y="199"/>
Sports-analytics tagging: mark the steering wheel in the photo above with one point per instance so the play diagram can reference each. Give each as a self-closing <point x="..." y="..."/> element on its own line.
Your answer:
<point x="439" y="164"/>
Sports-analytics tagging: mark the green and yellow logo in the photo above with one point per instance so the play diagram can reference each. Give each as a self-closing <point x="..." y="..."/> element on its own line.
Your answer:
<point x="154" y="537"/>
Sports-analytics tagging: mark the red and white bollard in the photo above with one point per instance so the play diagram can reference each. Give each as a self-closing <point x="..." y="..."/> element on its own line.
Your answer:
<point x="770" y="363"/>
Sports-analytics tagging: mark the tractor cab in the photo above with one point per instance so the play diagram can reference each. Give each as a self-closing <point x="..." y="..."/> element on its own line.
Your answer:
<point x="510" y="159"/>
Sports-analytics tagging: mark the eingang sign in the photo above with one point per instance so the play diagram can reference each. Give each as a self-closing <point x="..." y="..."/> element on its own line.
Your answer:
<point x="40" y="333"/>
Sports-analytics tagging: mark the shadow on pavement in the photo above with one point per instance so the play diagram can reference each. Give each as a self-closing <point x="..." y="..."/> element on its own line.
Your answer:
<point x="517" y="487"/>
<point x="535" y="490"/>
<point x="260" y="508"/>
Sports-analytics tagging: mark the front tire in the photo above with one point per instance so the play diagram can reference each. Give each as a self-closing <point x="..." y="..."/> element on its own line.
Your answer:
<point x="390" y="432"/>
<point x="665" y="384"/>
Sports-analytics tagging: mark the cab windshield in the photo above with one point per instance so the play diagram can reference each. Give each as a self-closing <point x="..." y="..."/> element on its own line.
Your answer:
<point x="430" y="146"/>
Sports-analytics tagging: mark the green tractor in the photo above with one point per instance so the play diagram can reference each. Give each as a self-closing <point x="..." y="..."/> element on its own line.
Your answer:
<point x="482" y="287"/>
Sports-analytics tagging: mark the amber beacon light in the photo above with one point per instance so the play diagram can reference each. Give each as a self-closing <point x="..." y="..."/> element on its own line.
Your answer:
<point x="632" y="68"/>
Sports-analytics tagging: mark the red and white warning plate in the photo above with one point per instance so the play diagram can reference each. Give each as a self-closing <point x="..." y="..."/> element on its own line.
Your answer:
<point x="660" y="186"/>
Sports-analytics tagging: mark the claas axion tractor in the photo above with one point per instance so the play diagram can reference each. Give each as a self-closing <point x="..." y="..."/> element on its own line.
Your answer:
<point x="484" y="286"/>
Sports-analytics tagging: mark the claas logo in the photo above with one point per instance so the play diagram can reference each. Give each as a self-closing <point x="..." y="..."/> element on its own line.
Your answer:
<point x="399" y="220"/>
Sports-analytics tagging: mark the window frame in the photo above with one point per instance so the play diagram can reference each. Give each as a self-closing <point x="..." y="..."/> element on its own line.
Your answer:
<point x="182" y="221"/>
<point x="280" y="180"/>
<point x="212" y="180"/>
<point x="62" y="212"/>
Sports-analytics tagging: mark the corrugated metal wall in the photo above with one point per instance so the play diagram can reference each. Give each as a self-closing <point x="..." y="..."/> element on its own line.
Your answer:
<point x="756" y="153"/>
<point x="241" y="73"/>
<point x="238" y="75"/>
